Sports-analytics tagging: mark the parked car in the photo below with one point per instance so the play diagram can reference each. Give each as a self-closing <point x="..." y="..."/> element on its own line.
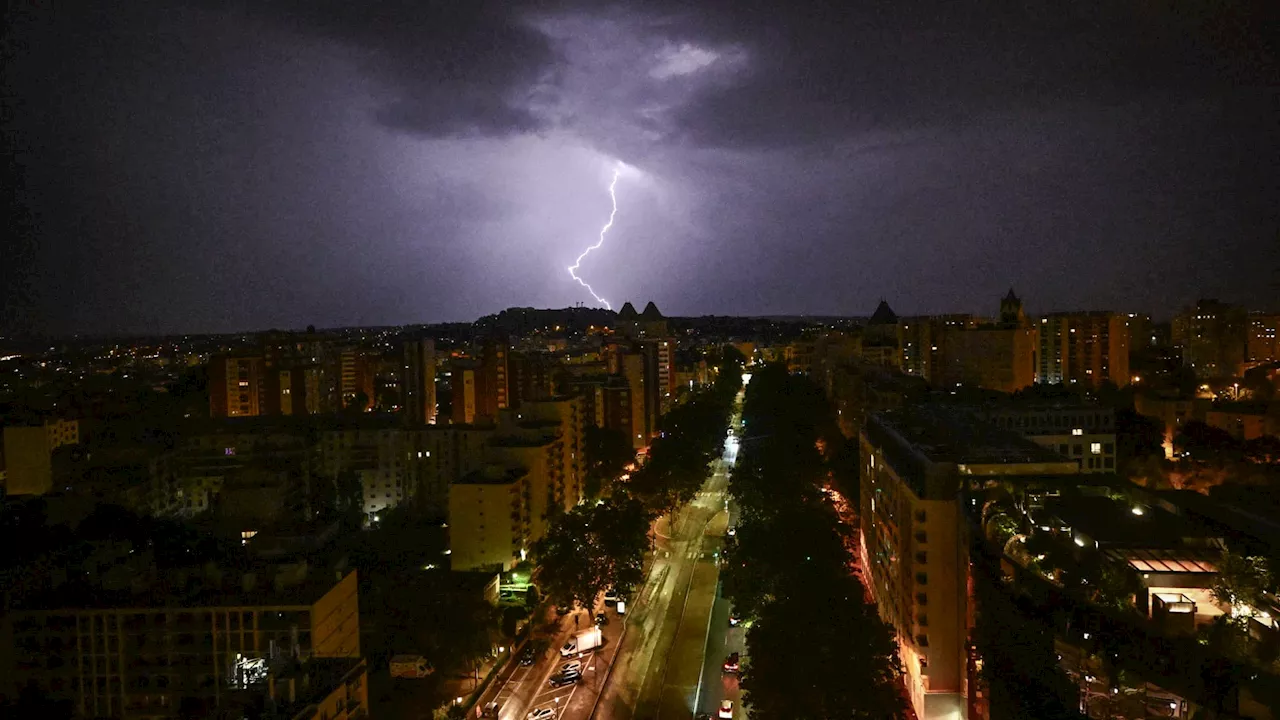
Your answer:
<point x="733" y="621"/>
<point x="726" y="710"/>
<point x="601" y="620"/>
<point x="565" y="678"/>
<point x="527" y="655"/>
<point x="731" y="663"/>
<point x="542" y="713"/>
<point x="571" y="666"/>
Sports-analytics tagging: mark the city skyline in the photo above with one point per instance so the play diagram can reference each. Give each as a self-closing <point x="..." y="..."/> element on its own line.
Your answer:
<point x="202" y="169"/>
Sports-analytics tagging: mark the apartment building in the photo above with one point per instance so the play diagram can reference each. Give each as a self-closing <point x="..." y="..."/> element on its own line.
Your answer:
<point x="147" y="652"/>
<point x="913" y="536"/>
<point x="1082" y="432"/>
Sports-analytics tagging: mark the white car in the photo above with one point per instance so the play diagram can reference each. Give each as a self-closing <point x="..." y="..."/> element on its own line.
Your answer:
<point x="571" y="666"/>
<point x="726" y="710"/>
<point x="544" y="713"/>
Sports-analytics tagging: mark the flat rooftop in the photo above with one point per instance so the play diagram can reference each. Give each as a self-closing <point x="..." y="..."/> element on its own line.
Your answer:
<point x="1115" y="522"/>
<point x="913" y="439"/>
<point x="951" y="435"/>
<point x="313" y="680"/>
<point x="490" y="476"/>
<point x="187" y="588"/>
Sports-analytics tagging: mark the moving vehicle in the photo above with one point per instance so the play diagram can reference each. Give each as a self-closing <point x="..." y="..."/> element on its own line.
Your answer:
<point x="731" y="663"/>
<point x="527" y="655"/>
<point x="733" y="621"/>
<point x="726" y="710"/>
<point x="565" y="678"/>
<point x="542" y="713"/>
<point x="410" y="666"/>
<point x="582" y="642"/>
<point x="491" y="709"/>
<point x="601" y="620"/>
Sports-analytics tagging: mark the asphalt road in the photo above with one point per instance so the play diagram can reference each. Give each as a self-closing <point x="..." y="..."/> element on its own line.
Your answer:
<point x="654" y="661"/>
<point x="660" y="668"/>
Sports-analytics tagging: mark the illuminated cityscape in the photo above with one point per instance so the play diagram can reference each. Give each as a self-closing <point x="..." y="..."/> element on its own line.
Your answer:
<point x="938" y="376"/>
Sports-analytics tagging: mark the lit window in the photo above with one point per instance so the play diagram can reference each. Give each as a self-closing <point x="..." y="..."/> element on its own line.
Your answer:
<point x="1077" y="431"/>
<point x="1095" y="448"/>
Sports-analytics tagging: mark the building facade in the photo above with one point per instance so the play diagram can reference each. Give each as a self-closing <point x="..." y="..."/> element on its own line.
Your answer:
<point x="157" y="657"/>
<point x="235" y="385"/>
<point x="1083" y="433"/>
<point x="914" y="543"/>
<point x="1213" y="337"/>
<point x="418" y="382"/>
<point x="1084" y="348"/>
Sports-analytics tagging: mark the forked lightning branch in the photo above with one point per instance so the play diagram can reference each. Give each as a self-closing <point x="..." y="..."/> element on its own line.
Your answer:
<point x="573" y="269"/>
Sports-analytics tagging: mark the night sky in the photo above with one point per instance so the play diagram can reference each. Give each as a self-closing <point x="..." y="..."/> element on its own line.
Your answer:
<point x="215" y="166"/>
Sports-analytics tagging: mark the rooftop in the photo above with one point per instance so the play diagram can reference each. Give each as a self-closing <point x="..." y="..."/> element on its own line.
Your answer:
<point x="262" y="585"/>
<point x="952" y="435"/>
<point x="492" y="476"/>
<point x="1184" y="560"/>
<point x="310" y="682"/>
<point x="1120" y="523"/>
<point x="918" y="438"/>
<point x="518" y="441"/>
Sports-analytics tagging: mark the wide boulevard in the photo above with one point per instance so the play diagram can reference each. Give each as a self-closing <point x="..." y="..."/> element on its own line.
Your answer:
<point x="663" y="657"/>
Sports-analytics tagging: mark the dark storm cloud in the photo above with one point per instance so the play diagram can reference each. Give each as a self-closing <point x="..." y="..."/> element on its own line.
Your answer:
<point x="207" y="165"/>
<point x="824" y="70"/>
<point x="450" y="68"/>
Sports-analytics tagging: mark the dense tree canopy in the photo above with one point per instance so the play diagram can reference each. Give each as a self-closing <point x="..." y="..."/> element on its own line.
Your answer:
<point x="788" y="568"/>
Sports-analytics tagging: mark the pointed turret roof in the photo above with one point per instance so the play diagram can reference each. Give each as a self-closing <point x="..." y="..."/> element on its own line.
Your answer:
<point x="1011" y="297"/>
<point x="628" y="312"/>
<point x="883" y="315"/>
<point x="650" y="312"/>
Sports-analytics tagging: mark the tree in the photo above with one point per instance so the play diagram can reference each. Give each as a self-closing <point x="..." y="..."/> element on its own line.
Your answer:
<point x="851" y="668"/>
<point x="788" y="567"/>
<point x="566" y="569"/>
<point x="1257" y="382"/>
<point x="1137" y="436"/>
<point x="592" y="548"/>
<point x="1242" y="580"/>
<point x="1206" y="443"/>
<point x="607" y="452"/>
<point x="1264" y="449"/>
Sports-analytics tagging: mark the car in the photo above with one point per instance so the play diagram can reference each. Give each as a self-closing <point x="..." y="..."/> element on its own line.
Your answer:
<point x="527" y="656"/>
<point x="726" y="710"/>
<point x="731" y="663"/>
<point x="565" y="678"/>
<point x="542" y="713"/>
<point x="491" y="710"/>
<point x="571" y="666"/>
<point x="561" y="610"/>
<point x="610" y="596"/>
<point x="733" y="531"/>
<point x="601" y="620"/>
<point x="733" y="621"/>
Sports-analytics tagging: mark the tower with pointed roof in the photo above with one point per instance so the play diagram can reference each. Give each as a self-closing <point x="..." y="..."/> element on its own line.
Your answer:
<point x="652" y="323"/>
<point x="628" y="322"/>
<point x="1011" y="312"/>
<point x="882" y="328"/>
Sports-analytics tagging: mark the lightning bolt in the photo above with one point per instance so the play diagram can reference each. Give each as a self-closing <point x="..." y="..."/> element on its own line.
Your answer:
<point x="573" y="269"/>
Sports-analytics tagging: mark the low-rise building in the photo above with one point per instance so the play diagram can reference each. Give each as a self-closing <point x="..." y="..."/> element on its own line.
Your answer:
<point x="184" y="645"/>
